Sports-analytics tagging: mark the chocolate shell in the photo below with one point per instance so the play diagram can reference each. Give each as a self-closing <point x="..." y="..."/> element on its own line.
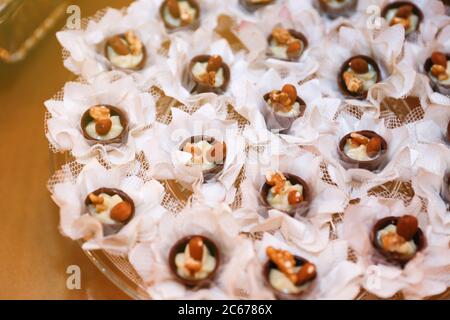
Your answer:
<point x="111" y="229"/>
<point x="301" y="208"/>
<point x="448" y="132"/>
<point x="200" y="87"/>
<point x="193" y="26"/>
<point x="333" y="13"/>
<point x="437" y="86"/>
<point x="297" y="35"/>
<point x="179" y="247"/>
<point x="269" y="265"/>
<point x="211" y="173"/>
<point x="140" y="66"/>
<point x="446" y="187"/>
<point x="370" y="165"/>
<point x="393" y="257"/>
<point x="283" y="123"/>
<point x="341" y="82"/>
<point x="122" y="138"/>
<point x="252" y="7"/>
<point x="397" y="4"/>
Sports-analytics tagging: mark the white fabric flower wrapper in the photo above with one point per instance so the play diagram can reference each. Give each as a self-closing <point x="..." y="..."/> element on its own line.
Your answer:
<point x="434" y="18"/>
<point x="384" y="47"/>
<point x="77" y="223"/>
<point x="325" y="199"/>
<point x="251" y="86"/>
<point x="337" y="278"/>
<point x="431" y="187"/>
<point x="237" y="257"/>
<point x="150" y="10"/>
<point x="254" y="35"/>
<point x="174" y="78"/>
<point x="86" y="47"/>
<point x="425" y="275"/>
<point x="398" y="154"/>
<point x="64" y="126"/>
<point x="415" y="57"/>
<point x="168" y="162"/>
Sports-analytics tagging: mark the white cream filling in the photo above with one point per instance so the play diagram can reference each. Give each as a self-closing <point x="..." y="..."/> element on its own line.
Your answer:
<point x="294" y="112"/>
<point x="280" y="201"/>
<point x="282" y="283"/>
<point x="105" y="216"/>
<point x="201" y="159"/>
<point x="357" y="153"/>
<point x="208" y="264"/>
<point x="369" y="78"/>
<point x="443" y="82"/>
<point x="200" y="69"/>
<point x="280" y="51"/>
<point x="408" y="248"/>
<point x="185" y="9"/>
<point x="125" y="62"/>
<point x="413" y="20"/>
<point x="116" y="130"/>
<point x="334" y="4"/>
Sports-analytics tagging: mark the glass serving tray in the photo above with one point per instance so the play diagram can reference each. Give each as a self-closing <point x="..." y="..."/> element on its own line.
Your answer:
<point x="119" y="270"/>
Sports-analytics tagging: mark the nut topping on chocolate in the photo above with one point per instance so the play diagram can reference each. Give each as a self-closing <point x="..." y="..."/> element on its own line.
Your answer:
<point x="122" y="211"/>
<point x="102" y="118"/>
<point x="214" y="63"/>
<point x="174" y="8"/>
<point x="407" y="227"/>
<point x="439" y="58"/>
<point x="359" y="65"/>
<point x="286" y="263"/>
<point x="286" y="44"/>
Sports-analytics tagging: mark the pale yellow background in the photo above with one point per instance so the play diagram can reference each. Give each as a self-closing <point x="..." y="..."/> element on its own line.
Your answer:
<point x="33" y="254"/>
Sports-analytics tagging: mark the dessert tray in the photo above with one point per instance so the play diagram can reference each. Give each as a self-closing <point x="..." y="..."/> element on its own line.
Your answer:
<point x="258" y="149"/>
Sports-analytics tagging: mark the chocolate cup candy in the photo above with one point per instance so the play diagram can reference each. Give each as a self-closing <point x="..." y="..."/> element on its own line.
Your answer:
<point x="333" y="13"/>
<point x="252" y="7"/>
<point x="201" y="87"/>
<point x="393" y="257"/>
<point x="192" y="26"/>
<point x="141" y="64"/>
<point x="302" y="207"/>
<point x="285" y="123"/>
<point x="211" y="173"/>
<point x="297" y="35"/>
<point x="436" y="85"/>
<point x="397" y="4"/>
<point x="343" y="86"/>
<point x="179" y="247"/>
<point x="370" y="165"/>
<point x="269" y="265"/>
<point x="122" y="138"/>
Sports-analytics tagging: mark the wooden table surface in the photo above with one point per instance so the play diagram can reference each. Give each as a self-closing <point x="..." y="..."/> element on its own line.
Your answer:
<point x="33" y="255"/>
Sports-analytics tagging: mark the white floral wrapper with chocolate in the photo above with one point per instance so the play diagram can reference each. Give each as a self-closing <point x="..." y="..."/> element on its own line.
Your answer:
<point x="151" y="258"/>
<point x="76" y="220"/>
<point x="434" y="18"/>
<point x="426" y="274"/>
<point x="337" y="278"/>
<point x="87" y="48"/>
<point x="320" y="199"/>
<point x="384" y="47"/>
<point x="254" y="35"/>
<point x="168" y="159"/>
<point x="432" y="187"/>
<point x="175" y="79"/>
<point x="150" y="10"/>
<point x="415" y="56"/>
<point x="64" y="129"/>
<point x="250" y="91"/>
<point x="390" y="162"/>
